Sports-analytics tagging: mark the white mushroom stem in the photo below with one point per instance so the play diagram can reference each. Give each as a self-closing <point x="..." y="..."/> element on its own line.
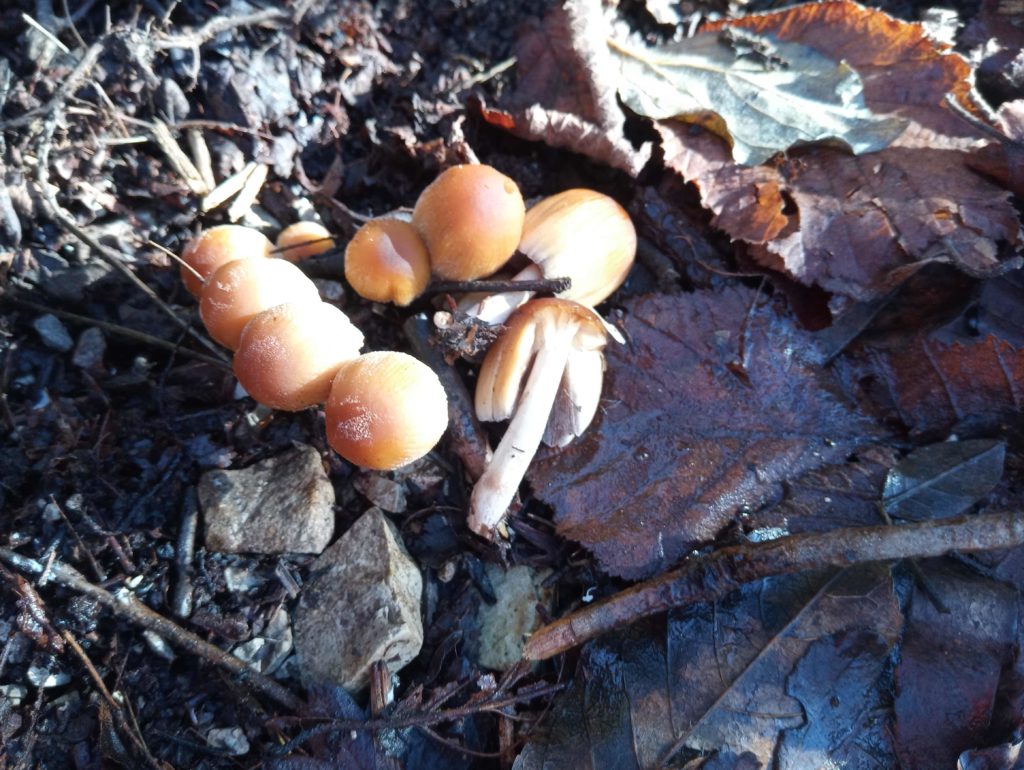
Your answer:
<point x="496" y="308"/>
<point x="496" y="488"/>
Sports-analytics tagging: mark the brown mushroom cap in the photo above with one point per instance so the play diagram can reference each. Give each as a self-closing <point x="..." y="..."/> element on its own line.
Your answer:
<point x="584" y="235"/>
<point x="387" y="261"/>
<point x="303" y="239"/>
<point x="238" y="290"/>
<point x="385" y="410"/>
<point x="217" y="246"/>
<point x="471" y="219"/>
<point x="288" y="355"/>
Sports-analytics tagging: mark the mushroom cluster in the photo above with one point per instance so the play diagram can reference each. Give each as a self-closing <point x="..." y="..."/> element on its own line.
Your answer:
<point x="544" y="372"/>
<point x="292" y="351"/>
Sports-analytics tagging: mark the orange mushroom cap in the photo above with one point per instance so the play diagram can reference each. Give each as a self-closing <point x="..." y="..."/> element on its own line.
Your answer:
<point x="471" y="219"/>
<point x="301" y="240"/>
<point x="288" y="355"/>
<point x="385" y="410"/>
<point x="217" y="246"/>
<point x="238" y="290"/>
<point x="387" y="261"/>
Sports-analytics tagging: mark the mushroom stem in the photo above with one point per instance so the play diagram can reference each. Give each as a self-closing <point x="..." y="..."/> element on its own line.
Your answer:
<point x="496" y="488"/>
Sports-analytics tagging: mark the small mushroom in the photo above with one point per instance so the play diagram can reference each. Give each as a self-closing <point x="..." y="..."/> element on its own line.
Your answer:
<point x="238" y="290"/>
<point x="559" y="343"/>
<point x="579" y="234"/>
<point x="387" y="261"/>
<point x="288" y="355"/>
<point x="385" y="410"/>
<point x="303" y="239"/>
<point x="218" y="246"/>
<point x="471" y="219"/>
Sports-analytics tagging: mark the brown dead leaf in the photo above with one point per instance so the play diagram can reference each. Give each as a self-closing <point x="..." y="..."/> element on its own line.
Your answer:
<point x="705" y="414"/>
<point x="857" y="226"/>
<point x="566" y="88"/>
<point x="934" y="386"/>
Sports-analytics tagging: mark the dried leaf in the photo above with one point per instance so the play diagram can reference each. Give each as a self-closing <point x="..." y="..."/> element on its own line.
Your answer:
<point x="934" y="385"/>
<point x="942" y="480"/>
<point x="566" y="88"/>
<point x="707" y="411"/>
<point x="950" y="666"/>
<point x="785" y="666"/>
<point x="854" y="225"/>
<point x="761" y="94"/>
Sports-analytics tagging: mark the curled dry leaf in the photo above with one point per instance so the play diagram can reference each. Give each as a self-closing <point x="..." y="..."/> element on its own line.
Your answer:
<point x="705" y="414"/>
<point x="566" y="88"/>
<point x="857" y="225"/>
<point x="761" y="95"/>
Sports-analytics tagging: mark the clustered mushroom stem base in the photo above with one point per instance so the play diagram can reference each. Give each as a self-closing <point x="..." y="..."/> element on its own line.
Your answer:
<point x="497" y="486"/>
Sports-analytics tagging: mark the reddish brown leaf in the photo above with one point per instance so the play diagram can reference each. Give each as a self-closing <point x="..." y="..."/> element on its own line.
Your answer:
<point x="933" y="386"/>
<point x="703" y="417"/>
<point x="566" y="88"/>
<point x="950" y="666"/>
<point x="856" y="226"/>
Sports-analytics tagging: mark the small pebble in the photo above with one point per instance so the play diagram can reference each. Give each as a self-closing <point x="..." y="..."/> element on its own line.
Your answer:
<point x="53" y="333"/>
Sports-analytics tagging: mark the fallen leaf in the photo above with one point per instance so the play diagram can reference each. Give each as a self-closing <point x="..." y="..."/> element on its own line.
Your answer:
<point x="950" y="665"/>
<point x="942" y="480"/>
<point x="706" y="412"/>
<point x="762" y="95"/>
<point x="834" y="496"/>
<point x="565" y="94"/>
<point x="854" y="225"/>
<point x="785" y="668"/>
<point x="934" y="385"/>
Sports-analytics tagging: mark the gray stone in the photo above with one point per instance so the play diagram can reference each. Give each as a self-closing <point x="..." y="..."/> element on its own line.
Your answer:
<point x="90" y="349"/>
<point x="385" y="493"/>
<point x="505" y="625"/>
<point x="362" y="604"/>
<point x="53" y="333"/>
<point x="283" y="504"/>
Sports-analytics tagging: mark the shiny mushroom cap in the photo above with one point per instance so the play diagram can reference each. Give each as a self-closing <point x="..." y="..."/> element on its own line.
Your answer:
<point x="471" y="219"/>
<point x="218" y="246"/>
<point x="387" y="261"/>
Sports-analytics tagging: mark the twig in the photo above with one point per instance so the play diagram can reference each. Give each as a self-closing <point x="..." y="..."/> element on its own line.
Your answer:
<point x="124" y="604"/>
<point x="712" y="577"/>
<point x="468" y="438"/>
<point x="220" y="24"/>
<point x="108" y="255"/>
<point x="540" y="286"/>
<point x="421" y="719"/>
<point x="67" y="86"/>
<point x="113" y="328"/>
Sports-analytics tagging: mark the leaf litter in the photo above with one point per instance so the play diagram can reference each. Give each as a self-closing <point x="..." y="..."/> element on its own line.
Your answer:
<point x="724" y="420"/>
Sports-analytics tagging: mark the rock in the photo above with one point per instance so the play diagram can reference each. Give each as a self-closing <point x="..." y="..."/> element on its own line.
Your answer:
<point x="506" y="624"/>
<point x="362" y="604"/>
<point x="90" y="349"/>
<point x="386" y="494"/>
<point x="283" y="504"/>
<point x="230" y="740"/>
<point x="53" y="333"/>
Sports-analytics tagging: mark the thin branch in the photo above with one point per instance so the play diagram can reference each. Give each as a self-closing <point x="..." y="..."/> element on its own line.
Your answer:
<point x="125" y="605"/>
<point x="66" y="87"/>
<point x="712" y="577"/>
<point x="219" y="24"/>
<point x="124" y="331"/>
